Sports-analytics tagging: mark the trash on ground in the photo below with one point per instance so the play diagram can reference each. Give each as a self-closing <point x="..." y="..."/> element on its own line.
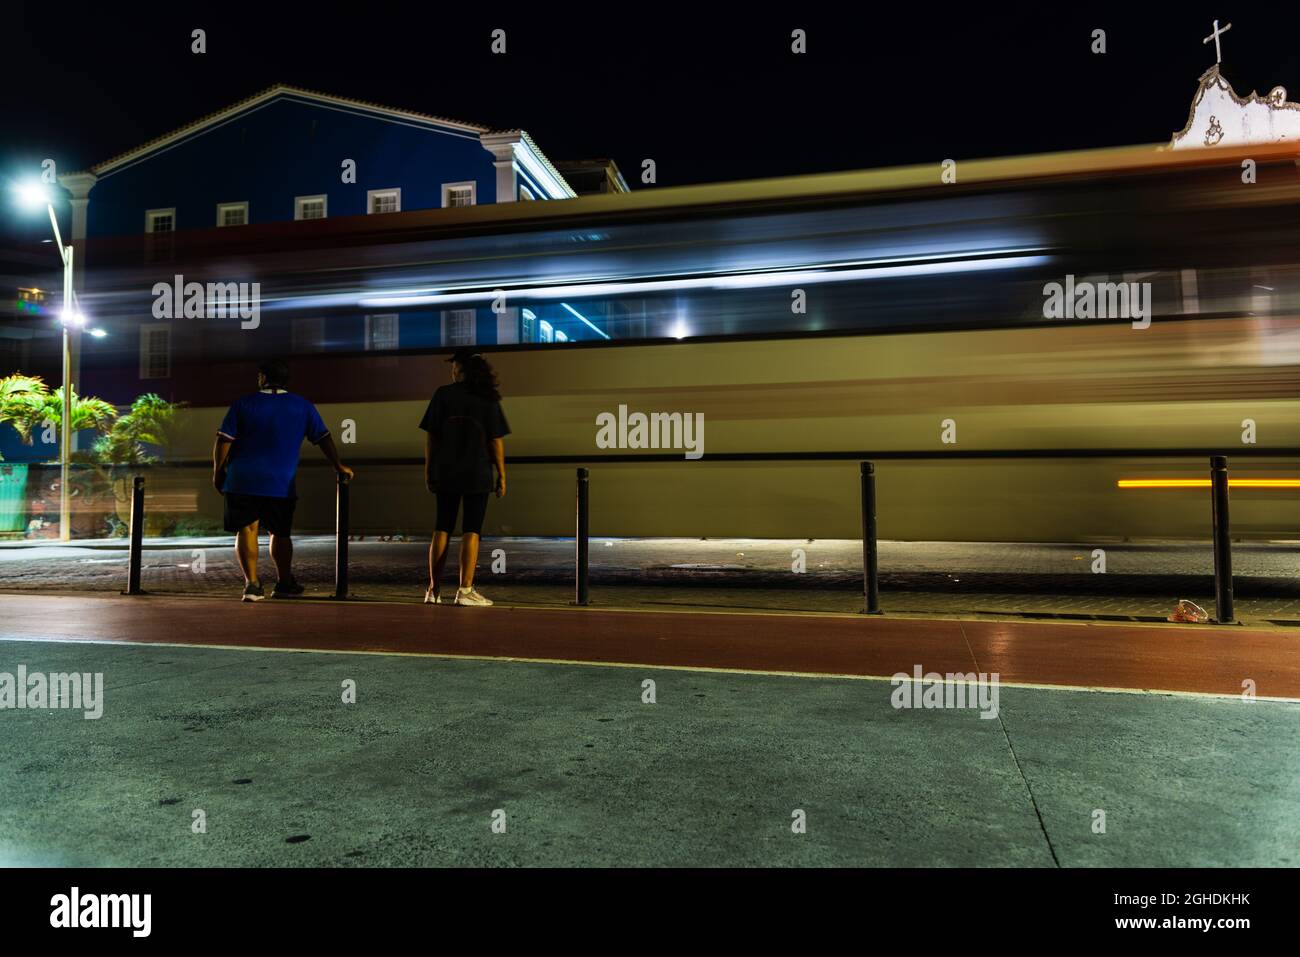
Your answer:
<point x="1189" y="611"/>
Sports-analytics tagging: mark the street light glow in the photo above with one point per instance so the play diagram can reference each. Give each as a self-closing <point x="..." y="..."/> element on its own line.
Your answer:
<point x="98" y="333"/>
<point x="32" y="194"/>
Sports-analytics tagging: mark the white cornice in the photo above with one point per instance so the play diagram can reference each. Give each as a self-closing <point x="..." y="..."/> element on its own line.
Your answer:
<point x="78" y="184"/>
<point x="518" y="146"/>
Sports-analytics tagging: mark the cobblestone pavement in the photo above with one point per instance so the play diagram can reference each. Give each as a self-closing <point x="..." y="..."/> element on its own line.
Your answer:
<point x="1141" y="580"/>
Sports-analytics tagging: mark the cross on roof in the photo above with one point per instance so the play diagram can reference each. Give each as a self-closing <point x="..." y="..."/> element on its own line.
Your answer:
<point x="1215" y="37"/>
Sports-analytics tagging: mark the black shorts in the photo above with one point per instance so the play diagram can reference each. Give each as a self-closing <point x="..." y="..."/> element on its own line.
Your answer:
<point x="475" y="511"/>
<point x="274" y="515"/>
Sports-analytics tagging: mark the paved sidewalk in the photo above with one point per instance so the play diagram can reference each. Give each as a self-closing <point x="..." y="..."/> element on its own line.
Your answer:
<point x="586" y="773"/>
<point x="1142" y="580"/>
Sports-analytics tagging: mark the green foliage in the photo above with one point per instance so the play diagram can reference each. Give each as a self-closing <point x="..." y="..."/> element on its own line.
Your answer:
<point x="143" y="435"/>
<point x="27" y="404"/>
<point x="151" y="420"/>
<point x="22" y="398"/>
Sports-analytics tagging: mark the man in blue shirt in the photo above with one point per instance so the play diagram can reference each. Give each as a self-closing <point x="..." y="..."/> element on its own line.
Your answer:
<point x="254" y="461"/>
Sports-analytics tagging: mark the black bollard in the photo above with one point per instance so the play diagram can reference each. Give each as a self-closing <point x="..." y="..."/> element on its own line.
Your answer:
<point x="341" y="538"/>
<point x="135" y="557"/>
<point x="871" y="578"/>
<point x="580" y="549"/>
<point x="1223" y="611"/>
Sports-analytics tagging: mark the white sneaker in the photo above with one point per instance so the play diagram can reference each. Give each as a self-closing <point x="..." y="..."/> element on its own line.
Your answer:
<point x="469" y="596"/>
<point x="431" y="597"/>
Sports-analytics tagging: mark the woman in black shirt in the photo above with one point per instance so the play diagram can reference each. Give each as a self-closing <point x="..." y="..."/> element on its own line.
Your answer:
<point x="464" y="427"/>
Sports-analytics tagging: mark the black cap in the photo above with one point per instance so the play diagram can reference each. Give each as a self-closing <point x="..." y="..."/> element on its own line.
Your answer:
<point x="460" y="355"/>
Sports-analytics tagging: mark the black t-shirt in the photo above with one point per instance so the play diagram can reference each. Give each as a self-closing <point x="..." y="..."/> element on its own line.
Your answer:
<point x="463" y="424"/>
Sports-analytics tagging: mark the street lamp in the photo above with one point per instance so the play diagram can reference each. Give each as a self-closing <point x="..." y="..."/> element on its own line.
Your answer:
<point x="32" y="195"/>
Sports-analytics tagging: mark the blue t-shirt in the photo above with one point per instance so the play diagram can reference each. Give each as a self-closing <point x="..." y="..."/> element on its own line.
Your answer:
<point x="268" y="429"/>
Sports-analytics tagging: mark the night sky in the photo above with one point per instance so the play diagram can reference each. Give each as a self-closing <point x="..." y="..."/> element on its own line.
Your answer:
<point x="708" y="97"/>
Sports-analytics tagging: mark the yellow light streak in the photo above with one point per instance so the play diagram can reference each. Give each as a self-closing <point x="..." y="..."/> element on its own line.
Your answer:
<point x="1205" y="483"/>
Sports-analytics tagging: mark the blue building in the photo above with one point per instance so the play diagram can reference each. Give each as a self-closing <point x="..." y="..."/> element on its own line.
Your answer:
<point x="285" y="156"/>
<point x="291" y="154"/>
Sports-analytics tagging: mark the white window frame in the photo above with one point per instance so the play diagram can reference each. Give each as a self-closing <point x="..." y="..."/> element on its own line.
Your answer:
<point x="546" y="332"/>
<point x="459" y="315"/>
<point x="391" y="191"/>
<point x="146" y="328"/>
<point x="149" y="215"/>
<point x="526" y="194"/>
<point x="471" y="185"/>
<point x="221" y="212"/>
<point x="323" y="199"/>
<point x="397" y="331"/>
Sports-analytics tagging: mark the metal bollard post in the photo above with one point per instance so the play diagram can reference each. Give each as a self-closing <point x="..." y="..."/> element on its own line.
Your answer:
<point x="1223" y="611"/>
<point x="871" y="578"/>
<point x="342" y="493"/>
<point x="580" y="596"/>
<point x="135" y="557"/>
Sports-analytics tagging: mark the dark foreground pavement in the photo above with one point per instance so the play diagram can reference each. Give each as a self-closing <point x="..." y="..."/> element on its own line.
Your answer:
<point x="263" y="746"/>
<point x="585" y="773"/>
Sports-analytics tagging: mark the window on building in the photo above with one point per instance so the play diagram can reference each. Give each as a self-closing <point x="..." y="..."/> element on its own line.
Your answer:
<point x="232" y="214"/>
<point x="529" y="331"/>
<point x="384" y="200"/>
<point x="525" y="193"/>
<point x="459" y="194"/>
<point x="560" y="336"/>
<point x="155" y="350"/>
<point x="458" y="327"/>
<point x="310" y="207"/>
<point x="31" y="299"/>
<point x="381" y="332"/>
<point x="548" y="332"/>
<point x="160" y="221"/>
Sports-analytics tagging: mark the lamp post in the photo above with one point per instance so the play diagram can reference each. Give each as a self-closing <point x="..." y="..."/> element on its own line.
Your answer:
<point x="65" y="432"/>
<point x="32" y="195"/>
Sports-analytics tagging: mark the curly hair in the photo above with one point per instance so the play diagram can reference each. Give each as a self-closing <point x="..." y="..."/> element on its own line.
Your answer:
<point x="479" y="377"/>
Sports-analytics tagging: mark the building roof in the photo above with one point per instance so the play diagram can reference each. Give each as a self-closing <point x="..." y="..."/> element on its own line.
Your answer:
<point x="272" y="93"/>
<point x="603" y="167"/>
<point x="532" y="145"/>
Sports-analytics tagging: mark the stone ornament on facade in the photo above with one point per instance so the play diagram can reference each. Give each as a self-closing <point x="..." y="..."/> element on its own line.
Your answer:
<point x="1214" y="133"/>
<point x="1219" y="117"/>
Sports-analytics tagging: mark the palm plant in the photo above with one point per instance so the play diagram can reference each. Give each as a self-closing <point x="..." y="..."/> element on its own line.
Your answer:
<point x="21" y="399"/>
<point x="28" y="404"/>
<point x="143" y="435"/>
<point x="151" y="421"/>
